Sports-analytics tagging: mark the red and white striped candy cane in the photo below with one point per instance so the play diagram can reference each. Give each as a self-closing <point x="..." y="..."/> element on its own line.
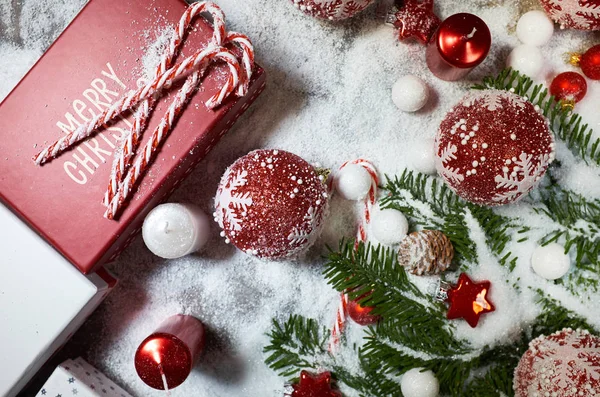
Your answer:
<point x="127" y="147"/>
<point x="198" y="61"/>
<point x="361" y="236"/>
<point x="247" y="60"/>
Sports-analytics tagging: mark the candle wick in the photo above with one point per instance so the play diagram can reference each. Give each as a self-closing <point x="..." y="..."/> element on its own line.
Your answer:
<point x="164" y="380"/>
<point x="167" y="227"/>
<point x="472" y="34"/>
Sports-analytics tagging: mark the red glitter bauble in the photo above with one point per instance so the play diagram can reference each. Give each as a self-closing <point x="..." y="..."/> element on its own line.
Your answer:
<point x="574" y="14"/>
<point x="564" y="364"/>
<point x="569" y="87"/>
<point x="271" y="204"/>
<point x="314" y="386"/>
<point x="590" y="63"/>
<point x="333" y="10"/>
<point x="361" y="314"/>
<point x="493" y="147"/>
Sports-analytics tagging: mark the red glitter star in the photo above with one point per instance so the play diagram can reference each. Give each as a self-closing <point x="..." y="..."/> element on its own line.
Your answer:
<point x="416" y="19"/>
<point x="314" y="386"/>
<point x="469" y="300"/>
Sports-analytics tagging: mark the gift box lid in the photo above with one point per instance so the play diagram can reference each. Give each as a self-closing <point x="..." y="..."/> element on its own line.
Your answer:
<point x="96" y="60"/>
<point x="41" y="296"/>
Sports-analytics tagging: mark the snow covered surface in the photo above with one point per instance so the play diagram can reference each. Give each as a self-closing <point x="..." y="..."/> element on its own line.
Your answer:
<point x="328" y="99"/>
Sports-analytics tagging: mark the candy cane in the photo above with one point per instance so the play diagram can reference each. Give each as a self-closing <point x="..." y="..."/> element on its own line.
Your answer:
<point x="127" y="147"/>
<point x="361" y="236"/>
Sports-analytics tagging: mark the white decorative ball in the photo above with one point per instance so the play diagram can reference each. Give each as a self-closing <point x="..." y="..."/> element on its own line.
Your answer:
<point x="410" y="93"/>
<point x="419" y="384"/>
<point x="535" y="28"/>
<point x="527" y="59"/>
<point x="389" y="226"/>
<point x="422" y="156"/>
<point x="353" y="182"/>
<point x="550" y="261"/>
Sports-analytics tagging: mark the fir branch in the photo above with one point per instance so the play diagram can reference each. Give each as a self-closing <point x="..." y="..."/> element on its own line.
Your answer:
<point x="554" y="317"/>
<point x="566" y="125"/>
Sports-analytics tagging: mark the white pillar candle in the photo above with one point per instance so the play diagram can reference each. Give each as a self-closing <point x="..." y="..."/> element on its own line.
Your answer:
<point x="175" y="230"/>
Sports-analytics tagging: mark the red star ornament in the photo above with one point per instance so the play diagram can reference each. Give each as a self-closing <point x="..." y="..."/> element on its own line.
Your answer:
<point x="469" y="300"/>
<point x="416" y="19"/>
<point x="318" y="385"/>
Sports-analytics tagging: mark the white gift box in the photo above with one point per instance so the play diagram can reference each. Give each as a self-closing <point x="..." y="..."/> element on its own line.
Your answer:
<point x="80" y="379"/>
<point x="43" y="300"/>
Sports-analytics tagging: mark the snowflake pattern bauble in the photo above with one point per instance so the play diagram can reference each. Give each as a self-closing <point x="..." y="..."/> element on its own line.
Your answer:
<point x="493" y="147"/>
<point x="574" y="14"/>
<point x="333" y="10"/>
<point x="271" y="204"/>
<point x="565" y="364"/>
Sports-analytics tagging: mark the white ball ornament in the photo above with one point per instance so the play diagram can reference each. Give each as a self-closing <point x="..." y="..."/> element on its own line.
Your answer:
<point x="410" y="93"/>
<point x="535" y="28"/>
<point x="419" y="384"/>
<point x="389" y="226"/>
<point x="422" y="156"/>
<point x="353" y="182"/>
<point x="527" y="59"/>
<point x="550" y="261"/>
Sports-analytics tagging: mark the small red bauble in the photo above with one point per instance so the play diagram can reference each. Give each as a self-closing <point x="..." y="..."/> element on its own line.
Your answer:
<point x="493" y="147"/>
<point x="469" y="300"/>
<point x="570" y="87"/>
<point x="271" y="204"/>
<point x="361" y="314"/>
<point x="314" y="386"/>
<point x="416" y="19"/>
<point x="333" y="10"/>
<point x="565" y="364"/>
<point x="574" y="14"/>
<point x="590" y="63"/>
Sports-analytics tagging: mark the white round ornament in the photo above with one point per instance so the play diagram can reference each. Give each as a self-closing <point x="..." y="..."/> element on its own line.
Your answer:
<point x="389" y="226"/>
<point x="410" y="93"/>
<point x="550" y="261"/>
<point x="535" y="28"/>
<point x="527" y="59"/>
<point x="353" y="182"/>
<point x="422" y="156"/>
<point x="419" y="384"/>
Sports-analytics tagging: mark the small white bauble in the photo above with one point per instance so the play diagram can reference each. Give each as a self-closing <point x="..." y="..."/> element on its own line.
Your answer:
<point x="422" y="156"/>
<point x="550" y="261"/>
<point x="419" y="384"/>
<point x="410" y="93"/>
<point x="527" y="59"/>
<point x="535" y="28"/>
<point x="389" y="226"/>
<point x="353" y="182"/>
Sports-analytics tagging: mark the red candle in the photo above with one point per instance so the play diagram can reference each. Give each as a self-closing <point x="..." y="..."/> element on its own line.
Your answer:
<point x="461" y="42"/>
<point x="165" y="359"/>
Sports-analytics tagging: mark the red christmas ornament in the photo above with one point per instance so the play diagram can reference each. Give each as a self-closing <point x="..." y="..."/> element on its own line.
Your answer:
<point x="271" y="204"/>
<point x="469" y="300"/>
<point x="590" y="63"/>
<point x="461" y="43"/>
<point x="569" y="87"/>
<point x="493" y="147"/>
<point x="361" y="314"/>
<point x="314" y="386"/>
<point x="416" y="19"/>
<point x="565" y="364"/>
<point x="165" y="359"/>
<point x="574" y="14"/>
<point x="333" y="10"/>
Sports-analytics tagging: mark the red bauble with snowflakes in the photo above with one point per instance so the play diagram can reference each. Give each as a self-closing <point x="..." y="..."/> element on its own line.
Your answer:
<point x="493" y="147"/>
<point x="574" y="14"/>
<point x="565" y="364"/>
<point x="271" y="204"/>
<point x="333" y="10"/>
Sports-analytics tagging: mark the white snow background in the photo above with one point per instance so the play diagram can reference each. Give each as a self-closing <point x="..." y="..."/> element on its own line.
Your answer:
<point x="328" y="98"/>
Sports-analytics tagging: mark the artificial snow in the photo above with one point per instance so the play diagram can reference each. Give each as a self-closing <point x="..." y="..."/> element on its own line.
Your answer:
<point x="328" y="99"/>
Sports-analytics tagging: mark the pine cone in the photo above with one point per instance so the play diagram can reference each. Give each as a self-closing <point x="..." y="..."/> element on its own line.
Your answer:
<point x="426" y="252"/>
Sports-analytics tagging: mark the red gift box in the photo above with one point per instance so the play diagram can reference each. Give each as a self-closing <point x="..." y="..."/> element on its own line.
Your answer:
<point x="92" y="64"/>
